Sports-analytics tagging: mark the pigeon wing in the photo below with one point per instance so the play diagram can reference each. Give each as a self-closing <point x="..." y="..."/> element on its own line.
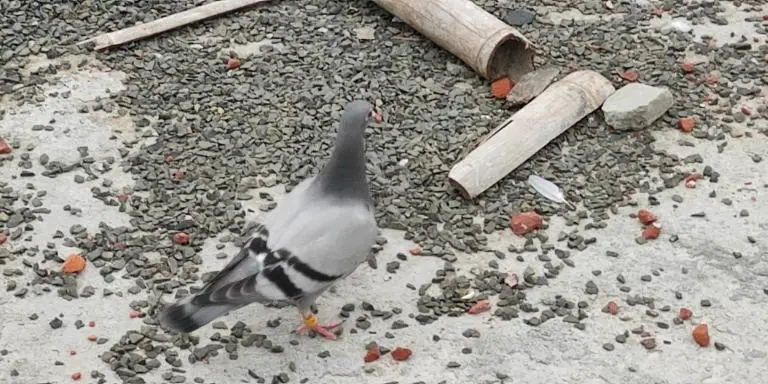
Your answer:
<point x="296" y="255"/>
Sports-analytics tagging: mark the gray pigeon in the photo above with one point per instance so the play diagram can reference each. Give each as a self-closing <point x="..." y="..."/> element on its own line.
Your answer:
<point x="318" y="234"/>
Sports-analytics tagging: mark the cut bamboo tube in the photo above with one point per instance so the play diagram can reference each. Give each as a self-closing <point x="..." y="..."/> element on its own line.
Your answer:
<point x="491" y="47"/>
<point x="511" y="143"/>
<point x="167" y="23"/>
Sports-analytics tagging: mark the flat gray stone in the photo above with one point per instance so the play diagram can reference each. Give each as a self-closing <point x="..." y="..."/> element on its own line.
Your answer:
<point x="635" y="106"/>
<point x="519" y="17"/>
<point x="531" y="85"/>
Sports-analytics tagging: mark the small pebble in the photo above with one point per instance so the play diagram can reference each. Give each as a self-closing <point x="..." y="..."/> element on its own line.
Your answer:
<point x="649" y="343"/>
<point x="743" y="213"/>
<point x="56" y="323"/>
<point x="471" y="332"/>
<point x="719" y="346"/>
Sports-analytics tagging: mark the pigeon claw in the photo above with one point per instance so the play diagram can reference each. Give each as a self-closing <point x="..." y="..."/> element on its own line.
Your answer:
<point x="310" y="322"/>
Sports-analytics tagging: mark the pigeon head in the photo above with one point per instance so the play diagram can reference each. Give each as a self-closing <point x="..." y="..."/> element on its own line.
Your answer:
<point x="357" y="115"/>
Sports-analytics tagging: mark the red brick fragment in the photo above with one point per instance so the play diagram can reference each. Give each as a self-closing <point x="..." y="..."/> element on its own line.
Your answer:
<point x="501" y="87"/>
<point x="646" y="217"/>
<point x="701" y="334"/>
<point x="525" y="222"/>
<point x="691" y="180"/>
<point x="630" y="76"/>
<point x="5" y="148"/>
<point x="686" y="124"/>
<point x="479" y="307"/>
<point x="181" y="238"/>
<point x="745" y="110"/>
<point x="652" y="232"/>
<point x="233" y="63"/>
<point x="401" y="354"/>
<point x="372" y="354"/>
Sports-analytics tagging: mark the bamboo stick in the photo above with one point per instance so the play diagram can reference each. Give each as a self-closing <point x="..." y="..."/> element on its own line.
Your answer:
<point x="491" y="47"/>
<point x="510" y="144"/>
<point x="168" y="23"/>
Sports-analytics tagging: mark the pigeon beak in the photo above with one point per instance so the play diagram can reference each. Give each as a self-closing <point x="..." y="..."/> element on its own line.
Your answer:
<point x="376" y="117"/>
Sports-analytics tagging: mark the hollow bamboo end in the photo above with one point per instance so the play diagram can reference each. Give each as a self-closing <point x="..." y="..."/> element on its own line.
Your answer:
<point x="459" y="188"/>
<point x="511" y="57"/>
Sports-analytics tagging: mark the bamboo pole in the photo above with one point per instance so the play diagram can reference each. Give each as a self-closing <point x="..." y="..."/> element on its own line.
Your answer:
<point x="511" y="143"/>
<point x="491" y="47"/>
<point x="167" y="23"/>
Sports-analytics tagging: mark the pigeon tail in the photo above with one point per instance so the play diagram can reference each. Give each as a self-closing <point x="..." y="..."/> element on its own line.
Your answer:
<point x="233" y="287"/>
<point x="187" y="316"/>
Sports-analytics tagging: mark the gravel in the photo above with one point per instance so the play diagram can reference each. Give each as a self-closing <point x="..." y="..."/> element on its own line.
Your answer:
<point x="217" y="134"/>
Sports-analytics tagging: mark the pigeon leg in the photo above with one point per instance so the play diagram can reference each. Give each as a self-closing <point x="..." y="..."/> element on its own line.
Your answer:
<point x="310" y="322"/>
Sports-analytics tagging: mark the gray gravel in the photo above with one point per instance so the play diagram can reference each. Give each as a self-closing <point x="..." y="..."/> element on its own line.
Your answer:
<point x="218" y="133"/>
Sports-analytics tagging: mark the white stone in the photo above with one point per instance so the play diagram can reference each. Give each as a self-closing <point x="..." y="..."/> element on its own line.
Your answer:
<point x="680" y="25"/>
<point x="635" y="106"/>
<point x="365" y="33"/>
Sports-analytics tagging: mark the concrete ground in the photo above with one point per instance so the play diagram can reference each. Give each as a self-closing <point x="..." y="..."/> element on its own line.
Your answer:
<point x="551" y="353"/>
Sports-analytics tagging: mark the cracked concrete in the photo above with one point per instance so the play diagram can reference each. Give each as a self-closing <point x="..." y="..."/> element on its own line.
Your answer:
<point x="553" y="352"/>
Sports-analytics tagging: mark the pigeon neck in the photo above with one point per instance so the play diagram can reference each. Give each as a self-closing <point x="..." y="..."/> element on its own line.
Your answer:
<point x="345" y="173"/>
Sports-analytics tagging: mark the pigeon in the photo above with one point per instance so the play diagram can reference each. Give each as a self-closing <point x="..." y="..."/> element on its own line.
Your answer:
<point x="317" y="235"/>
